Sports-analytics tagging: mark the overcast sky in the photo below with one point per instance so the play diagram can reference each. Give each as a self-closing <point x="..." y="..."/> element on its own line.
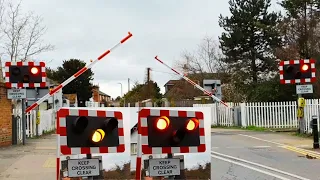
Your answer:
<point x="85" y="29"/>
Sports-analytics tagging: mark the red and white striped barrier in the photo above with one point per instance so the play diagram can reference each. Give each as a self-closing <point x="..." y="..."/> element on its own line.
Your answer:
<point x="77" y="74"/>
<point x="193" y="83"/>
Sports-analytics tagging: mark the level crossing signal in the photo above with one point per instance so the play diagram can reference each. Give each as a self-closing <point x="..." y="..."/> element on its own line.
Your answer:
<point x="86" y="131"/>
<point x="297" y="71"/>
<point x="171" y="131"/>
<point x="25" y="74"/>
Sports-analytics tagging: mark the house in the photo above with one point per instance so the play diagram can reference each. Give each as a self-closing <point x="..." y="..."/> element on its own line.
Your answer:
<point x="73" y="102"/>
<point x="99" y="96"/>
<point x="181" y="89"/>
<point x="53" y="102"/>
<point x="133" y="149"/>
<point x="169" y="85"/>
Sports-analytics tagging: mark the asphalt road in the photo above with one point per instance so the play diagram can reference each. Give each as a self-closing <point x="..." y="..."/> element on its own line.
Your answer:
<point x="238" y="155"/>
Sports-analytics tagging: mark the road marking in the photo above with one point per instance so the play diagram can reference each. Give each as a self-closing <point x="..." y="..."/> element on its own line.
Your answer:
<point x="298" y="150"/>
<point x="283" y="145"/>
<point x="50" y="163"/>
<point x="255" y="164"/>
<point x="261" y="146"/>
<point x="249" y="167"/>
<point x="238" y="147"/>
<point x="303" y="146"/>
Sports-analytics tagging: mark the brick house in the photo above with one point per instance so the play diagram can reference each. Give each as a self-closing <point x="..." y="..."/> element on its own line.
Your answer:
<point x="181" y="89"/>
<point x="99" y="96"/>
<point x="5" y="118"/>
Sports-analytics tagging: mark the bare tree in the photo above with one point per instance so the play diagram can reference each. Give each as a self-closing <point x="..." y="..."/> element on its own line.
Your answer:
<point x="23" y="33"/>
<point x="206" y="59"/>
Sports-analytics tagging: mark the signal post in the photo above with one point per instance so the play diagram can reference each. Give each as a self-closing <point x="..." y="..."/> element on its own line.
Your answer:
<point x="22" y="75"/>
<point x="302" y="73"/>
<point x="87" y="131"/>
<point x="168" y="132"/>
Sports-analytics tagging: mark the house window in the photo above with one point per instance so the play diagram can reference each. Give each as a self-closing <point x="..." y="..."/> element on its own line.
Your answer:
<point x="133" y="148"/>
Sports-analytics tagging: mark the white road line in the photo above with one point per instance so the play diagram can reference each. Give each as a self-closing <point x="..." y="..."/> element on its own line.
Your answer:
<point x="261" y="146"/>
<point x="238" y="147"/>
<point x="304" y="146"/>
<point x="250" y="167"/>
<point x="259" y="165"/>
<point x="279" y="144"/>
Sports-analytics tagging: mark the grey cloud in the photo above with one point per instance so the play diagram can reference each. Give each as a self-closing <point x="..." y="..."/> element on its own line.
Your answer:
<point x="85" y="29"/>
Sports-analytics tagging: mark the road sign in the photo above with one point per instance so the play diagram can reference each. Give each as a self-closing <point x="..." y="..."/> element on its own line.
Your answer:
<point x="16" y="93"/>
<point x="304" y="89"/>
<point x="164" y="167"/>
<point x="75" y="125"/>
<point x="213" y="86"/>
<point x="83" y="167"/>
<point x="161" y="139"/>
<point x="25" y="74"/>
<point x="297" y="71"/>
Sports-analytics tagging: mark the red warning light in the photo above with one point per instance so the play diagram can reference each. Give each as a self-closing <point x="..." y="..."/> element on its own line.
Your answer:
<point x="305" y="67"/>
<point x="162" y="123"/>
<point x="34" y="70"/>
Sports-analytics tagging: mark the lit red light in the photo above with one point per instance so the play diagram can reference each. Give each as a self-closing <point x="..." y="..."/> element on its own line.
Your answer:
<point x="162" y="123"/>
<point x="34" y="70"/>
<point x="305" y="67"/>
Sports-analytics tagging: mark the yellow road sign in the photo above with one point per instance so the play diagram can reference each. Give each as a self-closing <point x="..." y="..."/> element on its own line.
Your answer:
<point x="300" y="112"/>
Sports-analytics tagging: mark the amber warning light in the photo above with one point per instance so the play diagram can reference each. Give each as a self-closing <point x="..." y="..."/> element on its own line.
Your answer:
<point x="192" y="124"/>
<point x="98" y="135"/>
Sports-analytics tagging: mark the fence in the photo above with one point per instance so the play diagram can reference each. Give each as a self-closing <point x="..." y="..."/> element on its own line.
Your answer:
<point x="47" y="123"/>
<point x="263" y="114"/>
<point x="92" y="104"/>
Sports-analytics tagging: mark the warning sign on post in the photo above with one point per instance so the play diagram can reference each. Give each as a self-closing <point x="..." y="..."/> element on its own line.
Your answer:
<point x="164" y="167"/>
<point x="83" y="167"/>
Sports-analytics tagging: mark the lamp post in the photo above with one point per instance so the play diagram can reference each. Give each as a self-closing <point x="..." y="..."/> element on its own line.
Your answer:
<point x="124" y="101"/>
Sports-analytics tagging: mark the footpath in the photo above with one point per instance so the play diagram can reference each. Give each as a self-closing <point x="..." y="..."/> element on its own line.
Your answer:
<point x="35" y="160"/>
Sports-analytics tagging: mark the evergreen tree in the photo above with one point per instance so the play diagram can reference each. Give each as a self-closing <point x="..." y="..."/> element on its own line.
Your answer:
<point x="81" y="85"/>
<point x="249" y="41"/>
<point x="301" y="33"/>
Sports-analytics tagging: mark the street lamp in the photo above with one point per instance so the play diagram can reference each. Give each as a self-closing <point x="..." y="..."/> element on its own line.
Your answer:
<point x="124" y="101"/>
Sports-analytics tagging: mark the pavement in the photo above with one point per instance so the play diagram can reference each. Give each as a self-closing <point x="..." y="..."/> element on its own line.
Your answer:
<point x="35" y="160"/>
<point x="247" y="155"/>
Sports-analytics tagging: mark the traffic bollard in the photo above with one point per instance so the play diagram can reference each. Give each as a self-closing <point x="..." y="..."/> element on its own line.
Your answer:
<point x="315" y="132"/>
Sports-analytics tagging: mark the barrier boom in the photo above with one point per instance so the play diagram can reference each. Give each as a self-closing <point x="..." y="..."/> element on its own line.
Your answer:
<point x="193" y="83"/>
<point x="77" y="74"/>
